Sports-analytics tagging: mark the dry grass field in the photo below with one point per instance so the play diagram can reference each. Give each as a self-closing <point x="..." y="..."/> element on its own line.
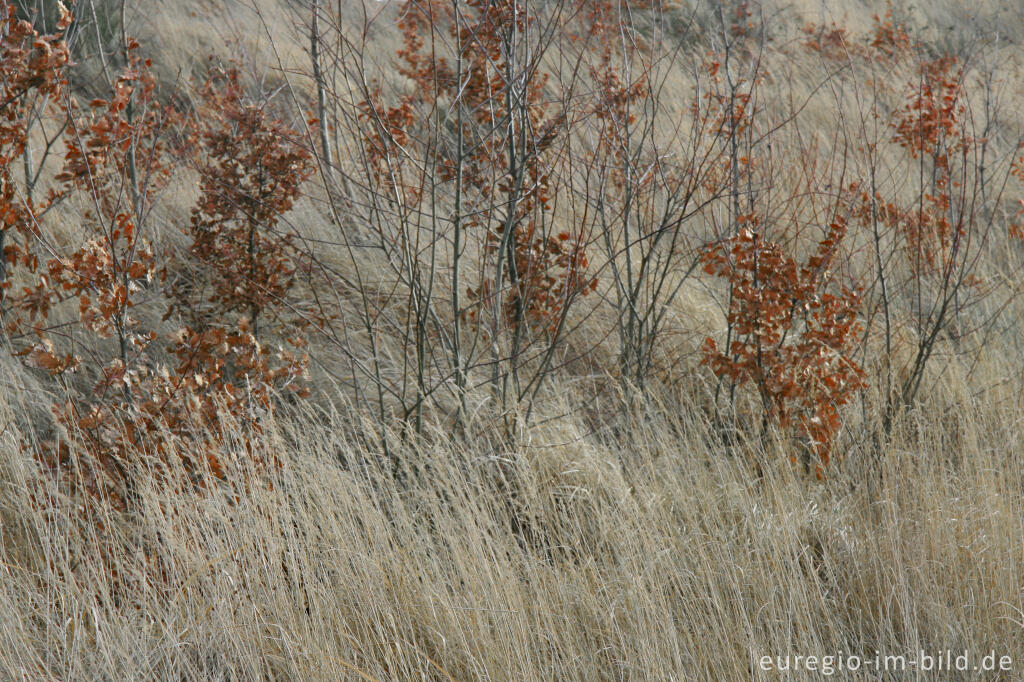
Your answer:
<point x="461" y="497"/>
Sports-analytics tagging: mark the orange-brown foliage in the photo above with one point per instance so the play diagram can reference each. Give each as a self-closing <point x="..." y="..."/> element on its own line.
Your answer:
<point x="545" y="270"/>
<point x="793" y="337"/>
<point x="116" y="162"/>
<point x="252" y="170"/>
<point x="890" y="37"/>
<point x="30" y="65"/>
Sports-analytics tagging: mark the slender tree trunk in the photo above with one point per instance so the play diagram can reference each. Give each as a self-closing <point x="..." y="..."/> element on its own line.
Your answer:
<point x="321" y="94"/>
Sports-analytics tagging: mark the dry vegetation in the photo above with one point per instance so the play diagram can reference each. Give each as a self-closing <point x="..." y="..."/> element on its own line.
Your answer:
<point x="509" y="339"/>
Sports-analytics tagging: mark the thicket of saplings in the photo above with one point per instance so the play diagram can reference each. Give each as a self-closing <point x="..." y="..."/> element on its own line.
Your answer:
<point x="517" y="202"/>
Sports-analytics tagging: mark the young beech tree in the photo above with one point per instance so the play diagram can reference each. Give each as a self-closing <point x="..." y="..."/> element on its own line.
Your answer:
<point x="117" y="160"/>
<point x="792" y="337"/>
<point x="470" y="152"/>
<point x="505" y="133"/>
<point x="115" y="165"/>
<point x="791" y="322"/>
<point x="251" y="170"/>
<point x="31" y="66"/>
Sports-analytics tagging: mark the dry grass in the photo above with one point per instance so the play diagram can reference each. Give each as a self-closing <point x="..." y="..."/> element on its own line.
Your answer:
<point x="647" y="556"/>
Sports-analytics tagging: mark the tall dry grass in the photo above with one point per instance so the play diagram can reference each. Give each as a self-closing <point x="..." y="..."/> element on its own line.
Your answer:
<point x="644" y="555"/>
